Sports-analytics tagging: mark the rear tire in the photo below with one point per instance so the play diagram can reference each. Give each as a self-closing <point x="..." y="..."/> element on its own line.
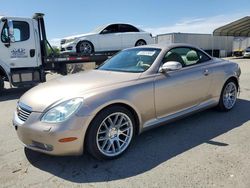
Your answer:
<point x="85" y="48"/>
<point x="228" y="96"/>
<point x="110" y="133"/>
<point x="1" y="83"/>
<point x="140" y="43"/>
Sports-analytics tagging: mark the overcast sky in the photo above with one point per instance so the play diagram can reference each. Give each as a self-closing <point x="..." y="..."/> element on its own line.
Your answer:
<point x="64" y="18"/>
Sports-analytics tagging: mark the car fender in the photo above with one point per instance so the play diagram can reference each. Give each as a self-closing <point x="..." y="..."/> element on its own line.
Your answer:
<point x="90" y="39"/>
<point x="94" y="109"/>
<point x="146" y="37"/>
<point x="139" y="97"/>
<point x="232" y="71"/>
<point x="119" y="102"/>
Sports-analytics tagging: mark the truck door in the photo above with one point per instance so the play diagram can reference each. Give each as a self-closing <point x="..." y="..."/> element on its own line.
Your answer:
<point x="21" y="52"/>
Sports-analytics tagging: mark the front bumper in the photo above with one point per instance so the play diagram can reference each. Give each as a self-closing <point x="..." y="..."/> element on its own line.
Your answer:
<point x="44" y="137"/>
<point x="68" y="47"/>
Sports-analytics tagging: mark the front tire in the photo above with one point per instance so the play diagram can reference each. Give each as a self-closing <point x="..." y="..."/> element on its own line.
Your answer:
<point x="228" y="96"/>
<point x="110" y="133"/>
<point x="85" y="48"/>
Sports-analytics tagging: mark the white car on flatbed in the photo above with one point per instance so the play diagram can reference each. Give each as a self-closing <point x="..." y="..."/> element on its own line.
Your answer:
<point x="110" y="37"/>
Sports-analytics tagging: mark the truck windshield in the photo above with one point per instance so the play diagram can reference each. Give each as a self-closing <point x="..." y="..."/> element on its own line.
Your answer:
<point x="132" y="60"/>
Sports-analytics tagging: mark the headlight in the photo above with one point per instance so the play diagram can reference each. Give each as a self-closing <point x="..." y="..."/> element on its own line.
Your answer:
<point x="62" y="111"/>
<point x="69" y="40"/>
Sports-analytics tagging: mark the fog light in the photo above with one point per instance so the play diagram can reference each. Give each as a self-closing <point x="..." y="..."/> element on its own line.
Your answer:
<point x="69" y="48"/>
<point x="42" y="146"/>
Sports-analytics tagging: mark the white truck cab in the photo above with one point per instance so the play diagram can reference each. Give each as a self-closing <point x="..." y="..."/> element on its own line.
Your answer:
<point x="20" y="54"/>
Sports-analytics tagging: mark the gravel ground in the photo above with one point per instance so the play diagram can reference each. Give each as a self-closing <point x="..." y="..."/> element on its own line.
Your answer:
<point x="209" y="149"/>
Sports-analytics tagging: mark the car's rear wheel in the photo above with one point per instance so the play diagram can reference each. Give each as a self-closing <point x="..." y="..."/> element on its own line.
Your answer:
<point x="110" y="133"/>
<point x="228" y="96"/>
<point x="85" y="47"/>
<point x="1" y="83"/>
<point x="140" y="43"/>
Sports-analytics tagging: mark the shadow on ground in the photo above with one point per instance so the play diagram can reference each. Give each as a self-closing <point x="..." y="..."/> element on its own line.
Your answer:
<point x="149" y="149"/>
<point x="12" y="93"/>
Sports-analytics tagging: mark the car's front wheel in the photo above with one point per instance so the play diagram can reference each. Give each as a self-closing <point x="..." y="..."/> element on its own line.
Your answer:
<point x="228" y="96"/>
<point x="85" y="48"/>
<point x="110" y="133"/>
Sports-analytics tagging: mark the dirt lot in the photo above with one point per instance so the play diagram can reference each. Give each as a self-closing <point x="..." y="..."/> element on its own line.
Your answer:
<point x="209" y="149"/>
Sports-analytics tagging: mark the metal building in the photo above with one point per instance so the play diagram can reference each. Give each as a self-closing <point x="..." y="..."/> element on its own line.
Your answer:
<point x="219" y="46"/>
<point x="240" y="29"/>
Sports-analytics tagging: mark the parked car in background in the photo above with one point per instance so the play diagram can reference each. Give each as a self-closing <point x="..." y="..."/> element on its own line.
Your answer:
<point x="137" y="89"/>
<point x="246" y="52"/>
<point x="111" y="37"/>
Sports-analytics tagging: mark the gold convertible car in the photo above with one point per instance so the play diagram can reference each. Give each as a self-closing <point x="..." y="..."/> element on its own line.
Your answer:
<point x="139" y="88"/>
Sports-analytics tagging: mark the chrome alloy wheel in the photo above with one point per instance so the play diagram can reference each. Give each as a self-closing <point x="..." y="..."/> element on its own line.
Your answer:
<point x="114" y="134"/>
<point x="230" y="95"/>
<point x="85" y="48"/>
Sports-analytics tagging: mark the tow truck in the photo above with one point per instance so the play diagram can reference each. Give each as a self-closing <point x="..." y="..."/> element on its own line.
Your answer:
<point x="24" y="57"/>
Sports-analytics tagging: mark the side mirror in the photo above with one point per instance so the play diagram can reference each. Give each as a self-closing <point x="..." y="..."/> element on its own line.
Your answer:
<point x="170" y="66"/>
<point x="11" y="31"/>
<point x="105" y="31"/>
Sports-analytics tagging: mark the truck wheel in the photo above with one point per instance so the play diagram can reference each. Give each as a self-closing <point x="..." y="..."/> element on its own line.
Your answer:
<point x="1" y="83"/>
<point x="84" y="47"/>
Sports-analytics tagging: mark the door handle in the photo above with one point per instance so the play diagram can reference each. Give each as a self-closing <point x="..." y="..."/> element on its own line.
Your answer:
<point x="206" y="72"/>
<point x="32" y="52"/>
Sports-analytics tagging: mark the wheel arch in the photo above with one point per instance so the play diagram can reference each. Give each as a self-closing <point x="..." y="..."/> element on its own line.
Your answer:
<point x="140" y="40"/>
<point x="233" y="78"/>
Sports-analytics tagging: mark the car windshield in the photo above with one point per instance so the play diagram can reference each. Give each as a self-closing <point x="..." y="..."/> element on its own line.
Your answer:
<point x="132" y="60"/>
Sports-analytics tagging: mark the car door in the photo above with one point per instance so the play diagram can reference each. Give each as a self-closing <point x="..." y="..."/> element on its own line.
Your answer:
<point x="179" y="90"/>
<point x="22" y="52"/>
<point x="129" y="35"/>
<point x="110" y="38"/>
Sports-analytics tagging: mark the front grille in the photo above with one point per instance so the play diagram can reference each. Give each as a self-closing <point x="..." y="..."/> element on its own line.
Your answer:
<point x="23" y="113"/>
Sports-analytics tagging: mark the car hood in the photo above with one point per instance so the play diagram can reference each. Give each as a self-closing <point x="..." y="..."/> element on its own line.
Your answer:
<point x="78" y="36"/>
<point x="66" y="87"/>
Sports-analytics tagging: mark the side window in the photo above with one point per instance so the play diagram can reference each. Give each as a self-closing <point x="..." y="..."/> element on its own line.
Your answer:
<point x="110" y="29"/>
<point x="127" y="28"/>
<point x="21" y="31"/>
<point x="176" y="54"/>
<point x="186" y="56"/>
<point x="203" y="57"/>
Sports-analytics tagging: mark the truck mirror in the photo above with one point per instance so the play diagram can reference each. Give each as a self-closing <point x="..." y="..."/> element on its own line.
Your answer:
<point x="11" y="31"/>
